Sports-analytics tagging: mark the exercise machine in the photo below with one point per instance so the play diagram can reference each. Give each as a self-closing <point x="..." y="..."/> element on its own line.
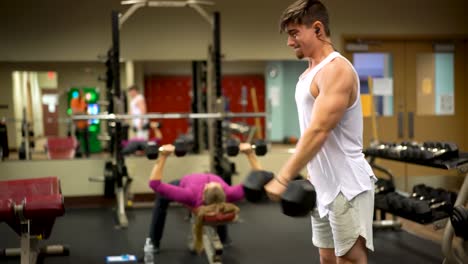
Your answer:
<point x="30" y="207"/>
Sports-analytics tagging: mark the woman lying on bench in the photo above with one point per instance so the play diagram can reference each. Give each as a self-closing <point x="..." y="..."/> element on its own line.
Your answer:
<point x="207" y="193"/>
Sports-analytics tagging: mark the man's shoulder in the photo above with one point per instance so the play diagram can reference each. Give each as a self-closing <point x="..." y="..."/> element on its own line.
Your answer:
<point x="338" y="67"/>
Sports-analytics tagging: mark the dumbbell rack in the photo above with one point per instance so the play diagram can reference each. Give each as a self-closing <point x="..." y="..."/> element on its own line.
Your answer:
<point x="384" y="223"/>
<point x="456" y="255"/>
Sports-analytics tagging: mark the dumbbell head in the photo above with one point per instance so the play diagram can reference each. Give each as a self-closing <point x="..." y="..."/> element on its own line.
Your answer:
<point x="299" y="198"/>
<point x="407" y="206"/>
<point x="260" y="147"/>
<point x="459" y="220"/>
<point x="421" y="190"/>
<point x="394" y="201"/>
<point x="450" y="146"/>
<point x="421" y="207"/>
<point x="254" y="185"/>
<point x="152" y="150"/>
<point x="232" y="147"/>
<point x="384" y="186"/>
<point x="180" y="147"/>
<point x="429" y="144"/>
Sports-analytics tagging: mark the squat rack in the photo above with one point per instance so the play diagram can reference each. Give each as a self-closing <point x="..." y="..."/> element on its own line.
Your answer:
<point x="219" y="163"/>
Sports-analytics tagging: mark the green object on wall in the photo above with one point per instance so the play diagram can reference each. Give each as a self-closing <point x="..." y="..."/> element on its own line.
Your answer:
<point x="91" y="95"/>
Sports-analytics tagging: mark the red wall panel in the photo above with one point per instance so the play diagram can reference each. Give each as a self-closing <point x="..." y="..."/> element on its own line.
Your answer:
<point x="232" y="90"/>
<point x="168" y="94"/>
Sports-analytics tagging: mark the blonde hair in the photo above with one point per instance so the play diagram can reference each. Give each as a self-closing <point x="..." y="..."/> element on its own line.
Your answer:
<point x="214" y="194"/>
<point x="214" y="199"/>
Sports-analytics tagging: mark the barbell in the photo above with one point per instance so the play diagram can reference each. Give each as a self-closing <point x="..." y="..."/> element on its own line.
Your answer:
<point x="113" y="117"/>
<point x="218" y="115"/>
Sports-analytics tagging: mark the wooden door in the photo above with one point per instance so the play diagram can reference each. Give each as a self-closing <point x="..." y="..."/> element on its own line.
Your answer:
<point x="430" y="96"/>
<point x="435" y="95"/>
<point x="382" y="61"/>
<point x="50" y="112"/>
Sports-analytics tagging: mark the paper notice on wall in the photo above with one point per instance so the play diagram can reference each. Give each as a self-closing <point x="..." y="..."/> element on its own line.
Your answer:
<point x="366" y="105"/>
<point x="275" y="96"/>
<point x="383" y="86"/>
<point x="446" y="103"/>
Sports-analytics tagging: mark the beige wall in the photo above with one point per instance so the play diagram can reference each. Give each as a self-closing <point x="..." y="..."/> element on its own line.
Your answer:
<point x="51" y="30"/>
<point x="46" y="82"/>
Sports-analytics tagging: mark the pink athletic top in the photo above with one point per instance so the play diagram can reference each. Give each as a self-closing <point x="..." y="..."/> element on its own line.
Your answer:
<point x="190" y="189"/>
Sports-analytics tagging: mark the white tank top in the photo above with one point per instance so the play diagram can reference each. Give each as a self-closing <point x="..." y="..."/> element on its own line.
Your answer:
<point x="137" y="122"/>
<point x="340" y="165"/>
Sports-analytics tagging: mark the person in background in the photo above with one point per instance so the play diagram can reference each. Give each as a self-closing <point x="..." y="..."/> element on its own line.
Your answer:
<point x="208" y="193"/>
<point x="79" y="106"/>
<point x="140" y="125"/>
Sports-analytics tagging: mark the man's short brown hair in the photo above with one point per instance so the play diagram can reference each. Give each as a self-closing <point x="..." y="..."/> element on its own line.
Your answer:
<point x="133" y="88"/>
<point x="305" y="12"/>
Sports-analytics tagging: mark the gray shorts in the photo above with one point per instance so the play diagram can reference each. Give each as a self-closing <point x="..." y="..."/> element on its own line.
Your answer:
<point x="344" y="223"/>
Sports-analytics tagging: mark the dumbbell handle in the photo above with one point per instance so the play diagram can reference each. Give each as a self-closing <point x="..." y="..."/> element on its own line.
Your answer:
<point x="97" y="179"/>
<point x="438" y="204"/>
<point x="428" y="199"/>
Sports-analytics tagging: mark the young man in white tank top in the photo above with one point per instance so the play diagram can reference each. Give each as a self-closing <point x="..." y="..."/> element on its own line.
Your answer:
<point x="330" y="118"/>
<point x="140" y="126"/>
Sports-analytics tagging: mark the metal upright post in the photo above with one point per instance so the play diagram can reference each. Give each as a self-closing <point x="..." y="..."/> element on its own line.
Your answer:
<point x="119" y="161"/>
<point x="221" y="164"/>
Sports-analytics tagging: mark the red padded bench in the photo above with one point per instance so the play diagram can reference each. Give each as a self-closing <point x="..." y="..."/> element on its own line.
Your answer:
<point x="30" y="207"/>
<point x="211" y="242"/>
<point x="217" y="219"/>
<point x="61" y="147"/>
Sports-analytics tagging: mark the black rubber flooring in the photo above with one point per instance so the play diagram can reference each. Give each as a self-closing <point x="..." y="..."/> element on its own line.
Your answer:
<point x="264" y="236"/>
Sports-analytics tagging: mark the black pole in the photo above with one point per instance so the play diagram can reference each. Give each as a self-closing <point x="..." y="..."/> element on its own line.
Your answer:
<point x="196" y="78"/>
<point x="116" y="52"/>
<point x="218" y="144"/>
<point x="217" y="53"/>
<point x="118" y="156"/>
<point x="222" y="165"/>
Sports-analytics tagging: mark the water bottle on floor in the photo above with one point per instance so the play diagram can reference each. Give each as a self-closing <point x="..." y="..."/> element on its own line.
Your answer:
<point x="149" y="252"/>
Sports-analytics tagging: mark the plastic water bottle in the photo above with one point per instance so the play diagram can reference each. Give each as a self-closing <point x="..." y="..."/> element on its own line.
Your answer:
<point x="149" y="252"/>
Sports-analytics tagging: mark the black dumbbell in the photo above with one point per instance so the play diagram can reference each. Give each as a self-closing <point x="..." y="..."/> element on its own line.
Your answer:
<point x="395" y="201"/>
<point x="459" y="220"/>
<point x="383" y="186"/>
<point x="433" y="195"/>
<point x="450" y="146"/>
<point x="298" y="199"/>
<point x="152" y="149"/>
<point x="254" y="185"/>
<point x="429" y="144"/>
<point x="422" y="211"/>
<point x="232" y="147"/>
